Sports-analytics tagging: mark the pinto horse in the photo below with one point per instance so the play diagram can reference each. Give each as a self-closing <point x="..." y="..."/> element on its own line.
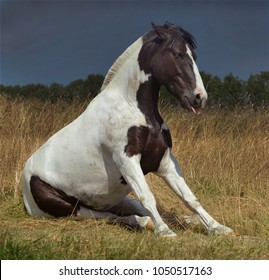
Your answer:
<point x="89" y="167"/>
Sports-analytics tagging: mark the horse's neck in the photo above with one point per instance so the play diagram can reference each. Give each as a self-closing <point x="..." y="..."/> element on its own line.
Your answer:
<point x="125" y="75"/>
<point x="131" y="83"/>
<point x="128" y="77"/>
<point x="147" y="98"/>
<point x="135" y="86"/>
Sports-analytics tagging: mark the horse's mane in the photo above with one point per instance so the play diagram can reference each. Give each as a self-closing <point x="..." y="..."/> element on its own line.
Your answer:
<point x="126" y="54"/>
<point x="119" y="62"/>
<point x="173" y="34"/>
<point x="177" y="34"/>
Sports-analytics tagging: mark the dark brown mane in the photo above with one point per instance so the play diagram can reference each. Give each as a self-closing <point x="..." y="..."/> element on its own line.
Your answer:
<point x="174" y="35"/>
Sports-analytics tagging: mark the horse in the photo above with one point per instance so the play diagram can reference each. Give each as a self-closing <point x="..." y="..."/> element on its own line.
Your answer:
<point x="89" y="168"/>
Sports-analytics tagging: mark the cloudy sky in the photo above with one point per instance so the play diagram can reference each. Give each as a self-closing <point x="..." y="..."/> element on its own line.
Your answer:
<point x="46" y="41"/>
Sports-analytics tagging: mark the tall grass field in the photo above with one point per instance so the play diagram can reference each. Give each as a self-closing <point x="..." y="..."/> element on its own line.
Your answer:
<point x="224" y="157"/>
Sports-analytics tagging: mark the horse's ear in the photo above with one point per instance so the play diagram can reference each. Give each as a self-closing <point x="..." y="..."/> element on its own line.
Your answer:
<point x="159" y="31"/>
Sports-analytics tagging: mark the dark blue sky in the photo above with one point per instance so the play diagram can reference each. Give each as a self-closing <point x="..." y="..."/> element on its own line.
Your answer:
<point x="61" y="41"/>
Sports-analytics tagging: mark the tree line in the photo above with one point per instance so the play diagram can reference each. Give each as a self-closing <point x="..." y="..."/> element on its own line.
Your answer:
<point x="230" y="92"/>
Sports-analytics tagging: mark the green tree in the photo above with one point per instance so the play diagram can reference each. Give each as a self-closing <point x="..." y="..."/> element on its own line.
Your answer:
<point x="233" y="91"/>
<point x="34" y="90"/>
<point x="214" y="88"/>
<point x="257" y="89"/>
<point x="93" y="84"/>
<point x="56" y="91"/>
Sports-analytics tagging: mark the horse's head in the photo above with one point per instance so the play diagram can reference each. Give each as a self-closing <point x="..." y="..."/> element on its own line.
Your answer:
<point x="173" y="65"/>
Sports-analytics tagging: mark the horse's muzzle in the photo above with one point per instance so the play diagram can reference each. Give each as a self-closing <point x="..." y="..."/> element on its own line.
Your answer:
<point x="193" y="104"/>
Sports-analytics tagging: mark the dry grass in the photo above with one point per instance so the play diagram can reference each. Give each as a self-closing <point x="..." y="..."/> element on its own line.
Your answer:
<point x="224" y="157"/>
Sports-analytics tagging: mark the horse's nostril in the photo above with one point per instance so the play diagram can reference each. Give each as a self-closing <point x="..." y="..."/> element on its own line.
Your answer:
<point x="198" y="96"/>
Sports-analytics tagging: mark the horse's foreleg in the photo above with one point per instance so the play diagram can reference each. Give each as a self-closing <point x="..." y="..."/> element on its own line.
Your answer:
<point x="172" y="175"/>
<point x="131" y="171"/>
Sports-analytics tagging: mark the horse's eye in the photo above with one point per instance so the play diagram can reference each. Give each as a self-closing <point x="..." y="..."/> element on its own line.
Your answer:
<point x="178" y="55"/>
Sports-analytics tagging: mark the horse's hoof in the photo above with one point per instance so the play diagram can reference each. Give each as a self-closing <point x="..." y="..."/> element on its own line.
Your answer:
<point x="150" y="225"/>
<point x="146" y="223"/>
<point x="190" y="220"/>
<point x="165" y="233"/>
<point x="222" y="230"/>
<point x="169" y="235"/>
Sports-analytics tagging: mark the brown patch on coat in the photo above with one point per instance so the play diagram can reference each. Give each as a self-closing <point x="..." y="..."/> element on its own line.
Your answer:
<point x="52" y="201"/>
<point x="150" y="143"/>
